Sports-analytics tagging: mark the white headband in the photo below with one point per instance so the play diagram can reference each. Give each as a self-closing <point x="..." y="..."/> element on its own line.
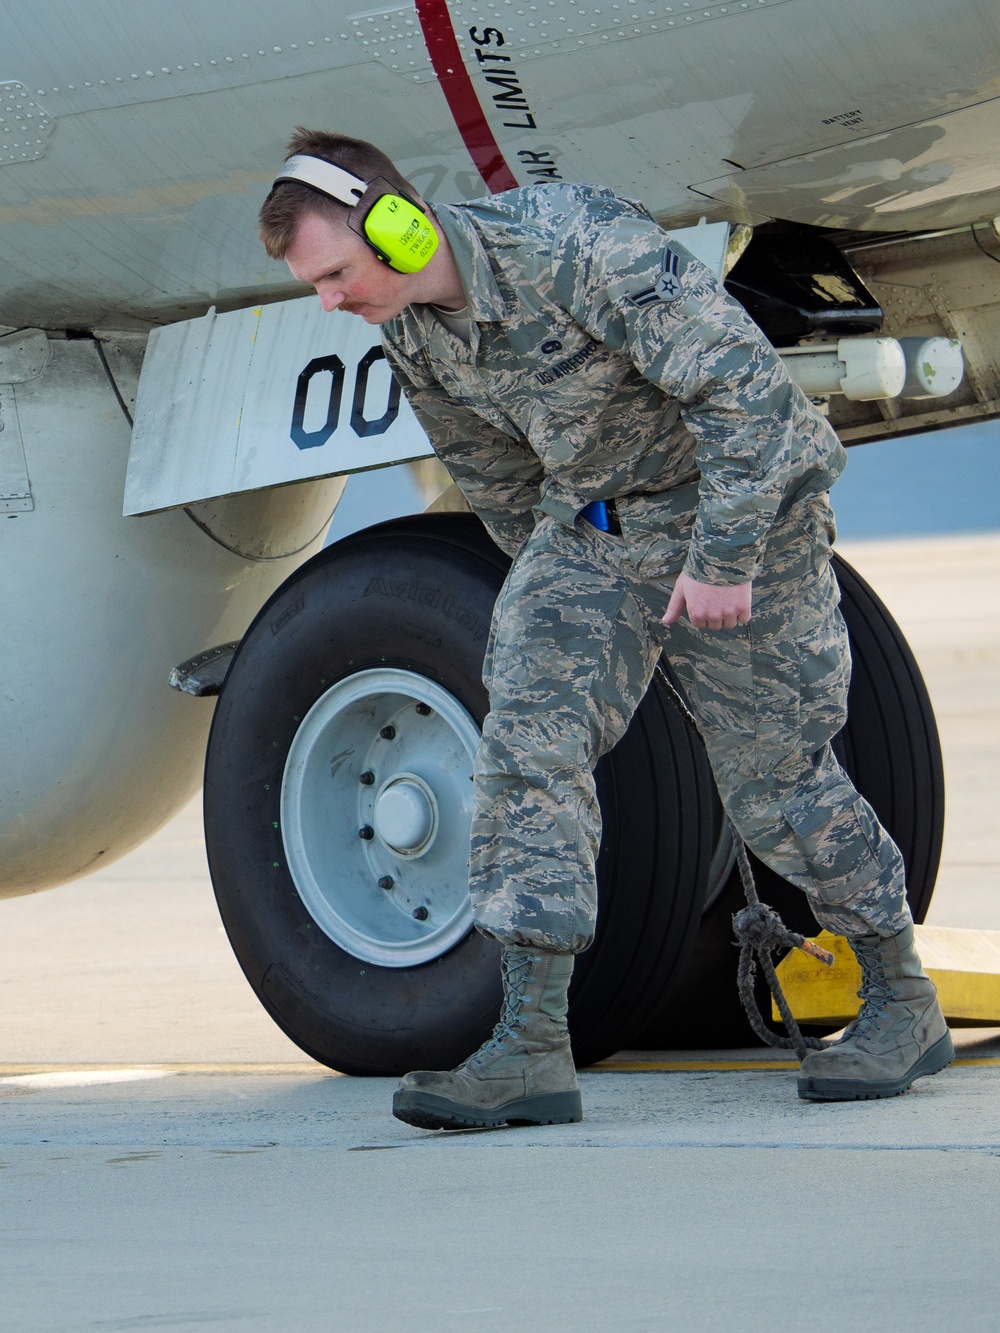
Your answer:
<point x="324" y="176"/>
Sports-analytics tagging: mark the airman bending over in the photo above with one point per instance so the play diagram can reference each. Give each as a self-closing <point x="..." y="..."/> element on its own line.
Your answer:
<point x="569" y="362"/>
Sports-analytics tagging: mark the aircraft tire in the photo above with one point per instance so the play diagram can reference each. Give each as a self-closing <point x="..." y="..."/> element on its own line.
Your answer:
<point x="404" y="609"/>
<point x="891" y="749"/>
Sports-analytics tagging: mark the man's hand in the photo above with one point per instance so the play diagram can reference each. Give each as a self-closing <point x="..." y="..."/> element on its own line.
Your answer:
<point x="709" y="605"/>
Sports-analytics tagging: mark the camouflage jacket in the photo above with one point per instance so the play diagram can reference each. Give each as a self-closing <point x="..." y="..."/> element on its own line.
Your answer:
<point x="605" y="361"/>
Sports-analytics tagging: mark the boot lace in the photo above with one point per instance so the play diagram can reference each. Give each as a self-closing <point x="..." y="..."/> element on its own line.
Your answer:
<point x="516" y="970"/>
<point x="875" y="992"/>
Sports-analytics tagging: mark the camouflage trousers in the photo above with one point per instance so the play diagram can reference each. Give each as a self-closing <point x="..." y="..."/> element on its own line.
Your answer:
<point x="575" y="638"/>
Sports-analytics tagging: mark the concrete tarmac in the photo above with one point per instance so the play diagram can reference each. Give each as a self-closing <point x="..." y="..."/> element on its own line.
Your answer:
<point x="703" y="1200"/>
<point x="169" y="1160"/>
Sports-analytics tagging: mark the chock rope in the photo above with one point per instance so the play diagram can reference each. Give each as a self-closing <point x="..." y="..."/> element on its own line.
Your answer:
<point x="760" y="932"/>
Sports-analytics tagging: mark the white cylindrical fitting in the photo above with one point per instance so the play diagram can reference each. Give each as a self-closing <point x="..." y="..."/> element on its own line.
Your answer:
<point x="859" y="368"/>
<point x="934" y="367"/>
<point x="817" y="371"/>
<point x="873" y="368"/>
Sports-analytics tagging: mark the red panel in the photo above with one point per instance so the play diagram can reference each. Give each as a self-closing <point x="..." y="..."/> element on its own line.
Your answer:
<point x="464" y="104"/>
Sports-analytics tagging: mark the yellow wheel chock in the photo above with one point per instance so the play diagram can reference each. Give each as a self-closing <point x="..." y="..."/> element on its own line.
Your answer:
<point x="963" y="964"/>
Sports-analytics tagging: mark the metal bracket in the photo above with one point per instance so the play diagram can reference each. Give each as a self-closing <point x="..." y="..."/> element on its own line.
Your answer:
<point x="24" y="354"/>
<point x="205" y="674"/>
<point x="15" y="486"/>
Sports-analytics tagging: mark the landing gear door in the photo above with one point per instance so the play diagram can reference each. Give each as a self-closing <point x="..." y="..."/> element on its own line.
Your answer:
<point x="262" y="397"/>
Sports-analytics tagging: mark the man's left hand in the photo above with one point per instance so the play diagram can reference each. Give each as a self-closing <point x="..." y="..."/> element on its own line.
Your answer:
<point x="709" y="605"/>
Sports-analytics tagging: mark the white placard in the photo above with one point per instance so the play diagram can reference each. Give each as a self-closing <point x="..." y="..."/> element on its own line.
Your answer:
<point x="262" y="397"/>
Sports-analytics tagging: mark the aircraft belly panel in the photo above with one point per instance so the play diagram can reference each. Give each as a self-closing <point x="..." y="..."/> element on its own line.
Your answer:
<point x="638" y="94"/>
<point x="938" y="173"/>
<point x="165" y="126"/>
<point x="107" y="54"/>
<point x="134" y="217"/>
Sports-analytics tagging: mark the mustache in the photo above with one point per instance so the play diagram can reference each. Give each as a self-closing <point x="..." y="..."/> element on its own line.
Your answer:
<point x="351" y="307"/>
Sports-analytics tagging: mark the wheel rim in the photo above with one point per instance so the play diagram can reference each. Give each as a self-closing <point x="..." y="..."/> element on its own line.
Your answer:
<point x="376" y="808"/>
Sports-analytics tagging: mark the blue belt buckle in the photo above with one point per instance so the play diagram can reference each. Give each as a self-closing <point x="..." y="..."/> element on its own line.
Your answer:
<point x="596" y="514"/>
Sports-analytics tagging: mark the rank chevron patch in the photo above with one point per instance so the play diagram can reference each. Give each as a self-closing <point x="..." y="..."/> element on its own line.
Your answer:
<point x="667" y="286"/>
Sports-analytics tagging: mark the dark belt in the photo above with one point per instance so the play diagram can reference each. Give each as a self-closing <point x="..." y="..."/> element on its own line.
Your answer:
<point x="603" y="515"/>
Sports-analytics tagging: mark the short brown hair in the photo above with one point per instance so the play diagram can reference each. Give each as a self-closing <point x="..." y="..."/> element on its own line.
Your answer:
<point x="285" y="206"/>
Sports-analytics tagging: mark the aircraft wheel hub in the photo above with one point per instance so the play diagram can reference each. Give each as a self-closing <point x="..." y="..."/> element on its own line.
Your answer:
<point x="376" y="807"/>
<point x="406" y="815"/>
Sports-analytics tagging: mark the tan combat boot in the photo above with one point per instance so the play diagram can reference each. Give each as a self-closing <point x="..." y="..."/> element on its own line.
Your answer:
<point x="524" y="1074"/>
<point x="899" y="1035"/>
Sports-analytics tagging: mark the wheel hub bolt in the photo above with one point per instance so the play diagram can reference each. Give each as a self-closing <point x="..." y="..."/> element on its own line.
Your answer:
<point x="367" y="832"/>
<point x="367" y="778"/>
<point x="388" y="733"/>
<point x="421" y="913"/>
<point x="386" y="882"/>
<point x="424" y="710"/>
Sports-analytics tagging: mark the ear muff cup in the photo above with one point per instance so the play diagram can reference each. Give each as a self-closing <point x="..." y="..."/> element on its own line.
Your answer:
<point x="392" y="225"/>
<point x="399" y="232"/>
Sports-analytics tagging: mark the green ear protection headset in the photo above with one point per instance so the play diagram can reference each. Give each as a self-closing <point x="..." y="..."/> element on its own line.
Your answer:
<point x="391" y="224"/>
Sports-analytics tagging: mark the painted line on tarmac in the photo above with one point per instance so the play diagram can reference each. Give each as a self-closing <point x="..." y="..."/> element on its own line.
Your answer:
<point x="686" y="1066"/>
<point x="60" y="1075"/>
<point x="82" y="1078"/>
<point x="683" y="1066"/>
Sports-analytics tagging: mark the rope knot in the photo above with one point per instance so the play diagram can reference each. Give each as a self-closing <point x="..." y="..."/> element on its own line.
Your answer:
<point x="761" y="932"/>
<point x="760" y="927"/>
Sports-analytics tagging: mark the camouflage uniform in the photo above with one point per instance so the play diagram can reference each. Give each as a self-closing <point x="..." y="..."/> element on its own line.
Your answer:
<point x="604" y="362"/>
